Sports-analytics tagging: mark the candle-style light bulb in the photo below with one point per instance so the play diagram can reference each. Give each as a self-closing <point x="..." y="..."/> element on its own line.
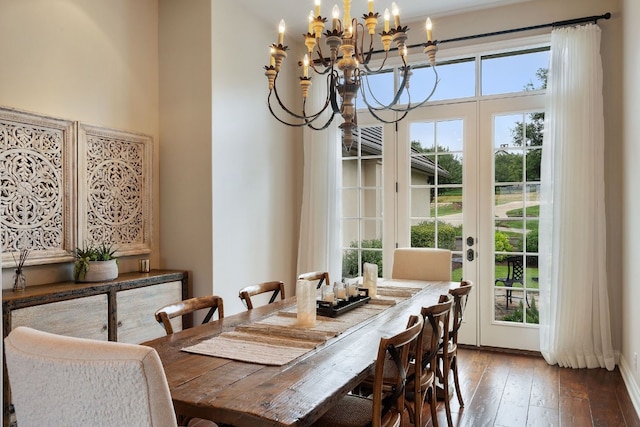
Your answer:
<point x="281" y="32"/>
<point x="317" y="7"/>
<point x="272" y="60"/>
<point x="311" y="18"/>
<point x="305" y="63"/>
<point x="386" y="20"/>
<point x="370" y="6"/>
<point x="335" y="13"/>
<point x="429" y="28"/>
<point x="396" y="14"/>
<point x="347" y="13"/>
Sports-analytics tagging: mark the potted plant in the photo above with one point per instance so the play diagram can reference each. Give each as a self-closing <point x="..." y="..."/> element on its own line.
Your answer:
<point x="95" y="263"/>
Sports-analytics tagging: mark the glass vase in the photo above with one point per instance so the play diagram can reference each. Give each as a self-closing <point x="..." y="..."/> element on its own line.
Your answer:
<point x="19" y="281"/>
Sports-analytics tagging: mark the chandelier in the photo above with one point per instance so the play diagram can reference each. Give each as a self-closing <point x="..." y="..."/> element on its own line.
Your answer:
<point x="347" y="68"/>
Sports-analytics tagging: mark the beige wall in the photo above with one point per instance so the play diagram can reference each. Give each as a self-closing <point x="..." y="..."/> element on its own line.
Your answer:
<point x="257" y="162"/>
<point x="186" y="188"/>
<point x="92" y="61"/>
<point x="631" y="199"/>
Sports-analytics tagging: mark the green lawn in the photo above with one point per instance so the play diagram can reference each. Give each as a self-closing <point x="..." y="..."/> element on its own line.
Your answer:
<point x="501" y="271"/>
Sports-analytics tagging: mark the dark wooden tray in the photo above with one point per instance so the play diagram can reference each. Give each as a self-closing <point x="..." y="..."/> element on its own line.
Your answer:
<point x="329" y="310"/>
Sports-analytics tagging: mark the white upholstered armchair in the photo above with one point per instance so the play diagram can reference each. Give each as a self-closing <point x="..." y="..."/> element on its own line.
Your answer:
<point x="57" y="380"/>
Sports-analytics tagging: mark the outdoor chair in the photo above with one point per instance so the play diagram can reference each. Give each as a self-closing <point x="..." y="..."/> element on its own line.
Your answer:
<point x="515" y="274"/>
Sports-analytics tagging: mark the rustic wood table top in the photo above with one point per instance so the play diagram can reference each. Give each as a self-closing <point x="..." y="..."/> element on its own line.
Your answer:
<point x="295" y="394"/>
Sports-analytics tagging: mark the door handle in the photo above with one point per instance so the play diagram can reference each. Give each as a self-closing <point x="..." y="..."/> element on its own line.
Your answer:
<point x="470" y="254"/>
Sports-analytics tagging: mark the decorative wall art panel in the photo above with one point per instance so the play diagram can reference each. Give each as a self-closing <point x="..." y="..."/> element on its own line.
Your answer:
<point x="114" y="189"/>
<point x="36" y="187"/>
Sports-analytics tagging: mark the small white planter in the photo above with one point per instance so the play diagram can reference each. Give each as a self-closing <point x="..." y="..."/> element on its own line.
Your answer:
<point x="100" y="271"/>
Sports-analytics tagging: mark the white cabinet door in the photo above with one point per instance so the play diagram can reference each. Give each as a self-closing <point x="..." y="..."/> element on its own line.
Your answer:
<point x="81" y="317"/>
<point x="136" y="311"/>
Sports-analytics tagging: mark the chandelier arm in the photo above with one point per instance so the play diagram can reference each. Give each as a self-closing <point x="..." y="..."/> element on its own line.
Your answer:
<point x="366" y="59"/>
<point x="306" y="119"/>
<point x="420" y="104"/>
<point x="325" y="62"/>
<point x="369" y="70"/>
<point x="380" y="105"/>
<point x="313" y="116"/>
<point x="332" y="94"/>
<point x="373" y="113"/>
<point x="323" y="127"/>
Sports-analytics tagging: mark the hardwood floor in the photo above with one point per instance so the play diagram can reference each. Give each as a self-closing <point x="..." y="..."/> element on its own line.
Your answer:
<point x="509" y="390"/>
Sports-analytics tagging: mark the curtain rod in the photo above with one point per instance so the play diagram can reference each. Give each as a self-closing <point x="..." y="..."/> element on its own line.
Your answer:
<point x="576" y="21"/>
<point x="567" y="22"/>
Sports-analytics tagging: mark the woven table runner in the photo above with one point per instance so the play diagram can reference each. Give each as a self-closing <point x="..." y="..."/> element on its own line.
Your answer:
<point x="277" y="340"/>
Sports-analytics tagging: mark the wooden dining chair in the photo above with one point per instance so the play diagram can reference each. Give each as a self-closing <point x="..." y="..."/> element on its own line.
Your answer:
<point x="448" y="357"/>
<point x="385" y="407"/>
<point x="212" y="302"/>
<point x="421" y="386"/>
<point x="421" y="264"/>
<point x="321" y="276"/>
<point x="276" y="287"/>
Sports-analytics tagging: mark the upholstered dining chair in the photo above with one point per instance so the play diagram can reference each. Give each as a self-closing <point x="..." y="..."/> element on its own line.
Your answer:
<point x="422" y="384"/>
<point x="385" y="407"/>
<point x="275" y="287"/>
<point x="321" y="276"/>
<point x="57" y="380"/>
<point x="448" y="357"/>
<point x="421" y="264"/>
<point x="212" y="302"/>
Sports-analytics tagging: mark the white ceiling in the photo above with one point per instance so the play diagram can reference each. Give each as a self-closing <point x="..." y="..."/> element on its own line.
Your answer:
<point x="295" y="12"/>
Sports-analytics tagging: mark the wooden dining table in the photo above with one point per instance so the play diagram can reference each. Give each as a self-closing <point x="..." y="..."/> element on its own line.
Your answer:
<point x="297" y="393"/>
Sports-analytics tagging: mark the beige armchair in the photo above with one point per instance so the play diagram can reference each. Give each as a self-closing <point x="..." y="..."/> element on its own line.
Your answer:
<point x="59" y="380"/>
<point x="421" y="264"/>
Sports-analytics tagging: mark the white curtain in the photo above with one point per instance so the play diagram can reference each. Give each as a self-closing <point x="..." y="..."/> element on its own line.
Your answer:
<point x="575" y="328"/>
<point x="319" y="247"/>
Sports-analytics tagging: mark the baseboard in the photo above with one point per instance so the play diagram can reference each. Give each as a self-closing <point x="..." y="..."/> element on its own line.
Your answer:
<point x="631" y="383"/>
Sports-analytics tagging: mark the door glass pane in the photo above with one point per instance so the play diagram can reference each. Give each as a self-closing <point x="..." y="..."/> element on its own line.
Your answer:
<point x="362" y="214"/>
<point x="436" y="187"/>
<point x="517" y="152"/>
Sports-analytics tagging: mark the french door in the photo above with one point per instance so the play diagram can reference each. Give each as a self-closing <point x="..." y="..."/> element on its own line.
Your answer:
<point x="461" y="176"/>
<point x="437" y="197"/>
<point x="511" y="148"/>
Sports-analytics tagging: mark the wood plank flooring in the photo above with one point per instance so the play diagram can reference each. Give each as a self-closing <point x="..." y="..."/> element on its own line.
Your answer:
<point x="512" y="390"/>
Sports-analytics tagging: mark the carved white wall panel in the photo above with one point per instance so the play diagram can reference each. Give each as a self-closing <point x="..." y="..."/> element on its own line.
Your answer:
<point x="36" y="187"/>
<point x="114" y="189"/>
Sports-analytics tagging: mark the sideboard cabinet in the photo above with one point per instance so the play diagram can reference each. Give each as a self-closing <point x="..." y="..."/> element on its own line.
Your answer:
<point x="119" y="310"/>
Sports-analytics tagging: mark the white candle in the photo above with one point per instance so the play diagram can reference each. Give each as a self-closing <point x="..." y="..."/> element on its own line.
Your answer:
<point x="370" y="6"/>
<point x="281" y="32"/>
<point x="317" y="7"/>
<point x="396" y="14"/>
<point x="347" y="14"/>
<point x="386" y="20"/>
<point x="311" y="17"/>
<point x="335" y="13"/>
<point x="305" y="68"/>
<point x="429" y="27"/>
<point x="272" y="60"/>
